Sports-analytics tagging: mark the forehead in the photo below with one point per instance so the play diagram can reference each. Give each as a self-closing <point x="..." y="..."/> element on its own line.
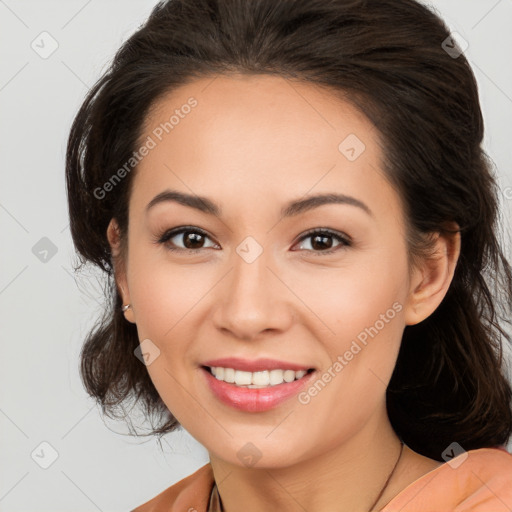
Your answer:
<point x="272" y="109"/>
<point x="261" y="134"/>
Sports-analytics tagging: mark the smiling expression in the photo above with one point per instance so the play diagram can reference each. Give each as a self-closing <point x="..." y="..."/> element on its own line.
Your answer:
<point x="261" y="269"/>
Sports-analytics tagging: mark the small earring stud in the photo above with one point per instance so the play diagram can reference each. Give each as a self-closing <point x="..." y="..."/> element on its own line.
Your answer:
<point x="126" y="307"/>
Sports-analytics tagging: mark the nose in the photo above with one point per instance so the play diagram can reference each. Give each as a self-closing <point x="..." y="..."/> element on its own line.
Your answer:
<point x="252" y="300"/>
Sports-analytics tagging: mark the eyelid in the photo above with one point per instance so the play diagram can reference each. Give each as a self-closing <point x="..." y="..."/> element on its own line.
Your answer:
<point x="171" y="233"/>
<point x="345" y="240"/>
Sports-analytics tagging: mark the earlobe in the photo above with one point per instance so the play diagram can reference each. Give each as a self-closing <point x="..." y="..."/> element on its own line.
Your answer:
<point x="114" y="240"/>
<point x="432" y="279"/>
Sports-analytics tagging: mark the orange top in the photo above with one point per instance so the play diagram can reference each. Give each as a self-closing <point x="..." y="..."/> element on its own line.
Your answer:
<point x="475" y="481"/>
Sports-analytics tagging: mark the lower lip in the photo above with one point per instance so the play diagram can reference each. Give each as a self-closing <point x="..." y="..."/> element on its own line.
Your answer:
<point x="254" y="399"/>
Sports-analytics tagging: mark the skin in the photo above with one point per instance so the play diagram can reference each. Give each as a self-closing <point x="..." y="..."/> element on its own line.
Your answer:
<point x="251" y="145"/>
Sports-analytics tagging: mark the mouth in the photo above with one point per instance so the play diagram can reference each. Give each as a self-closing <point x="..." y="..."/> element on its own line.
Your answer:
<point x="256" y="380"/>
<point x="255" y="391"/>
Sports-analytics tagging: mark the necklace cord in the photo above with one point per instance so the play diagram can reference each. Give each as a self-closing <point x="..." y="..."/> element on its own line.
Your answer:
<point x="389" y="477"/>
<point x="219" y="502"/>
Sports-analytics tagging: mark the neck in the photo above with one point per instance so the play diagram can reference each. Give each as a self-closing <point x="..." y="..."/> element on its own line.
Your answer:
<point x="348" y="477"/>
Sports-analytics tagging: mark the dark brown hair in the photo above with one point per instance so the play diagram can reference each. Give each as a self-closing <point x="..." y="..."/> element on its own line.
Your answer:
<point x="387" y="58"/>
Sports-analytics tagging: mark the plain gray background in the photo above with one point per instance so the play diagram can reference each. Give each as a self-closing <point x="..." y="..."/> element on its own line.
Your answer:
<point x="45" y="315"/>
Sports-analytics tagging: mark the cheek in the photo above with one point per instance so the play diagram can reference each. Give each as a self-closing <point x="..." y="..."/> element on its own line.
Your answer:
<point x="360" y="321"/>
<point x="163" y="295"/>
<point x="367" y="320"/>
<point x="165" y="298"/>
<point x="346" y="301"/>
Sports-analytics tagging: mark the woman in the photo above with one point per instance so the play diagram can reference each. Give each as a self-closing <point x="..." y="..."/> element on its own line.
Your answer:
<point x="293" y="203"/>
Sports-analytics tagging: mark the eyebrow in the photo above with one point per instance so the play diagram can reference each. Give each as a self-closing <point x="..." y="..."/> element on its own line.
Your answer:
<point x="293" y="208"/>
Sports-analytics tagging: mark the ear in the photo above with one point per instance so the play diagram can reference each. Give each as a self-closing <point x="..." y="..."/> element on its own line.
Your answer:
<point x="118" y="258"/>
<point x="432" y="277"/>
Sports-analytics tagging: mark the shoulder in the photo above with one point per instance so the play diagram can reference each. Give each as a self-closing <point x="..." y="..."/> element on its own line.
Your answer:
<point x="474" y="481"/>
<point x="190" y="493"/>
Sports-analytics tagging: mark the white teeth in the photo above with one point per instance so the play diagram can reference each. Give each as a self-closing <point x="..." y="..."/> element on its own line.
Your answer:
<point x="229" y="374"/>
<point x="276" y="377"/>
<point x="289" y="376"/>
<point x="243" y="378"/>
<point x="261" y="379"/>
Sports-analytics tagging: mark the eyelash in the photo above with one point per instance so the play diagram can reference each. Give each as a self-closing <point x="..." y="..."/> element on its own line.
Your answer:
<point x="167" y="235"/>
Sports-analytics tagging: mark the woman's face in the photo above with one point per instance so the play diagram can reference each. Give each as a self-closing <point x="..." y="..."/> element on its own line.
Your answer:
<point x="253" y="285"/>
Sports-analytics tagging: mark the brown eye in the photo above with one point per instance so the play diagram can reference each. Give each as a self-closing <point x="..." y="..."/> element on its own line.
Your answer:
<point x="325" y="242"/>
<point x="192" y="240"/>
<point x="189" y="238"/>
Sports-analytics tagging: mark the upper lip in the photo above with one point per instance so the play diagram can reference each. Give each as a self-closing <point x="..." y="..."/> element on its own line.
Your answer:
<point x="255" y="365"/>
